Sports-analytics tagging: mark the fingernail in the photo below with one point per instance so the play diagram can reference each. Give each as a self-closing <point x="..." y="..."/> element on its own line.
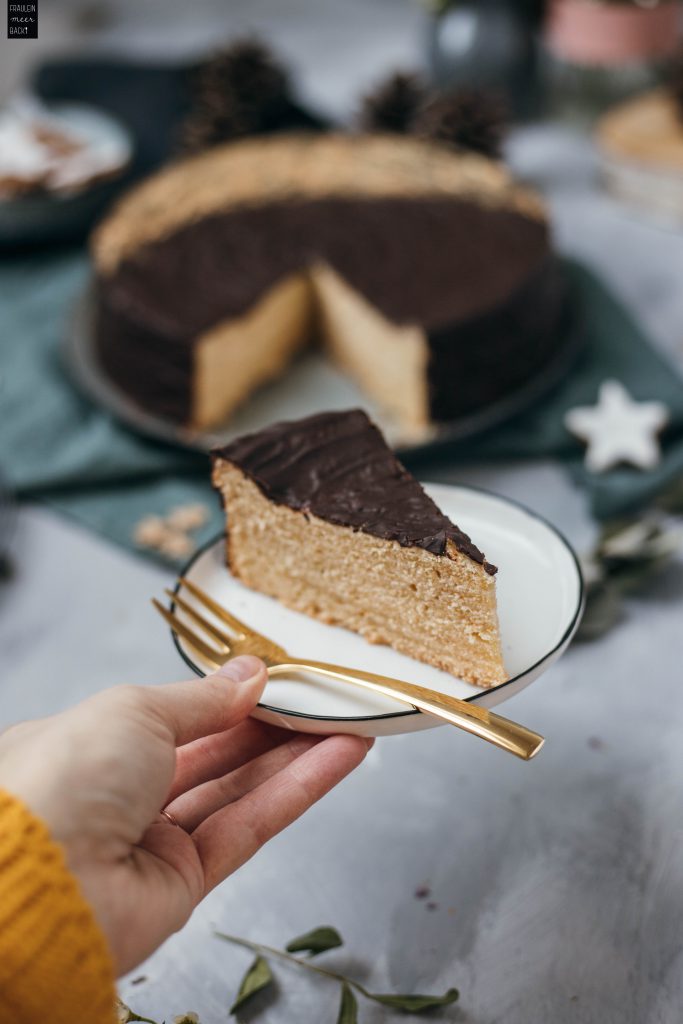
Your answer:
<point x="240" y="670"/>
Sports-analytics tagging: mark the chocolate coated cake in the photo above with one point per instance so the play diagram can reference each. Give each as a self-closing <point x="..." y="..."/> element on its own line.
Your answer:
<point x="323" y="516"/>
<point x="428" y="276"/>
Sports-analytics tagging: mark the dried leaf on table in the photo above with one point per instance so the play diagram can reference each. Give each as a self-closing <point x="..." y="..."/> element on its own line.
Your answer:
<point x="319" y="940"/>
<point x="417" y="1003"/>
<point x="348" y="1007"/>
<point x="257" y="978"/>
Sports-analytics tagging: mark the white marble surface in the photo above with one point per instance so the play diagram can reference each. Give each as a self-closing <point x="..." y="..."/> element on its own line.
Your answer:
<point x="559" y="884"/>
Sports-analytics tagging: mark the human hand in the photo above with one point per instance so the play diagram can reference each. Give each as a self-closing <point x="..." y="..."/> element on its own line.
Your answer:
<point x="100" y="773"/>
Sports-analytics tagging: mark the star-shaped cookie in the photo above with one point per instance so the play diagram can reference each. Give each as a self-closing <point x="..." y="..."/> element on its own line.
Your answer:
<point x="618" y="429"/>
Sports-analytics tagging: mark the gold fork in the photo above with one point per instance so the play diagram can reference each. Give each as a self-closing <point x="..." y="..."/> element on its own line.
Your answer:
<point x="242" y="639"/>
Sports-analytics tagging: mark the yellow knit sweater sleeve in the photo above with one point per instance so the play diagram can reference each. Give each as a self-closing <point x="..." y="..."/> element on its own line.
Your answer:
<point x="54" y="963"/>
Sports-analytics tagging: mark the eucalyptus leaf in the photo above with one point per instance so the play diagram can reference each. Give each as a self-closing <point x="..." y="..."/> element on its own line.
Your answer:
<point x="628" y="554"/>
<point x="317" y="941"/>
<point x="348" y="1007"/>
<point x="258" y="977"/>
<point x="603" y="610"/>
<point x="592" y="569"/>
<point x="667" y="543"/>
<point x="628" y="541"/>
<point x="416" y="1004"/>
<point x="664" y="544"/>
<point x="672" y="498"/>
<point x="438" y="7"/>
<point x="630" y="578"/>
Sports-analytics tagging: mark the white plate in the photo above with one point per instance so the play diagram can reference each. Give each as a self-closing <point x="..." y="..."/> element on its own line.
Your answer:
<point x="540" y="601"/>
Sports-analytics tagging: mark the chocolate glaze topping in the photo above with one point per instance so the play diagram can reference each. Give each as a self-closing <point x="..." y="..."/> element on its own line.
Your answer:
<point x="337" y="466"/>
<point x="419" y="261"/>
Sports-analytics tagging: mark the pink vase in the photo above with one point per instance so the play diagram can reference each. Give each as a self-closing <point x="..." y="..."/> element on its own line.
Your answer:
<point x="588" y="32"/>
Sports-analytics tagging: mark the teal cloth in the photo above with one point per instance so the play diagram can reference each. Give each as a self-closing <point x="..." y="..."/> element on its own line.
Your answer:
<point x="55" y="446"/>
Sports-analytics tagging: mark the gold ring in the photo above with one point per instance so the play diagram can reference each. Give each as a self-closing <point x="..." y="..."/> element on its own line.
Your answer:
<point x="170" y="819"/>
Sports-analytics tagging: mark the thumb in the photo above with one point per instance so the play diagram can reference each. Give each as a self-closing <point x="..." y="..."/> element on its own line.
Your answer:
<point x="213" y="704"/>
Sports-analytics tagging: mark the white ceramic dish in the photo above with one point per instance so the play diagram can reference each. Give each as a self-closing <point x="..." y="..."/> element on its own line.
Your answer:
<point x="540" y="601"/>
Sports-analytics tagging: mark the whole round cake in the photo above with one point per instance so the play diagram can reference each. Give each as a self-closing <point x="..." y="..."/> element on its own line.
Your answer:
<point x="426" y="274"/>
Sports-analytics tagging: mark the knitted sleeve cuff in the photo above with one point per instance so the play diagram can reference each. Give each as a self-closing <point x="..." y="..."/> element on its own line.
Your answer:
<point x="54" y="960"/>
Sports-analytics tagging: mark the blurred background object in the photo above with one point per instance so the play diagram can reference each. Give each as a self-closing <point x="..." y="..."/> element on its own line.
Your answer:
<point x="640" y="142"/>
<point x="486" y="44"/>
<point x="240" y="90"/>
<point x="59" y="168"/>
<point x="142" y="113"/>
<point x="597" y="52"/>
<point x="7" y="521"/>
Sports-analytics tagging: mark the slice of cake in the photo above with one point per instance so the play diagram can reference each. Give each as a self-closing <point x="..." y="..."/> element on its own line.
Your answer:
<point x="322" y="516"/>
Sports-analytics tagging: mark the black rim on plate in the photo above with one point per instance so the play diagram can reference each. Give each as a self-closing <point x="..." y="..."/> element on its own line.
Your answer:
<point x="475" y="697"/>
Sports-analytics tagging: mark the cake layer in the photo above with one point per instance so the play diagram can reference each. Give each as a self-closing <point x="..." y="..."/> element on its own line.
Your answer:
<point x="425" y="261"/>
<point x="337" y="466"/>
<point x="490" y="356"/>
<point x="321" y="516"/>
<point x="155" y="371"/>
<point x="284" y="168"/>
<point x="237" y="355"/>
<point x="389" y="363"/>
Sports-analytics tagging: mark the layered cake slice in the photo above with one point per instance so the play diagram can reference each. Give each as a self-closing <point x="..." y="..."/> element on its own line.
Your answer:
<point x="322" y="516"/>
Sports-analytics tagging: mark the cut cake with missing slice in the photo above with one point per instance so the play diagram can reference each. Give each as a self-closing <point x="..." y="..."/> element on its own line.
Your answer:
<point x="322" y="516"/>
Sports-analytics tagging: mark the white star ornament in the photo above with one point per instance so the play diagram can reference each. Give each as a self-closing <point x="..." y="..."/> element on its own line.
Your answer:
<point x="618" y="429"/>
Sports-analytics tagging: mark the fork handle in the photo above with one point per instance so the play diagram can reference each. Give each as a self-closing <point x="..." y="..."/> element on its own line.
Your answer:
<point x="503" y="733"/>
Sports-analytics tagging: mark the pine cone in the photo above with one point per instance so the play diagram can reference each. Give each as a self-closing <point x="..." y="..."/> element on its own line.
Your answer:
<point x="392" y="106"/>
<point x="240" y="91"/>
<point x="464" y="119"/>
